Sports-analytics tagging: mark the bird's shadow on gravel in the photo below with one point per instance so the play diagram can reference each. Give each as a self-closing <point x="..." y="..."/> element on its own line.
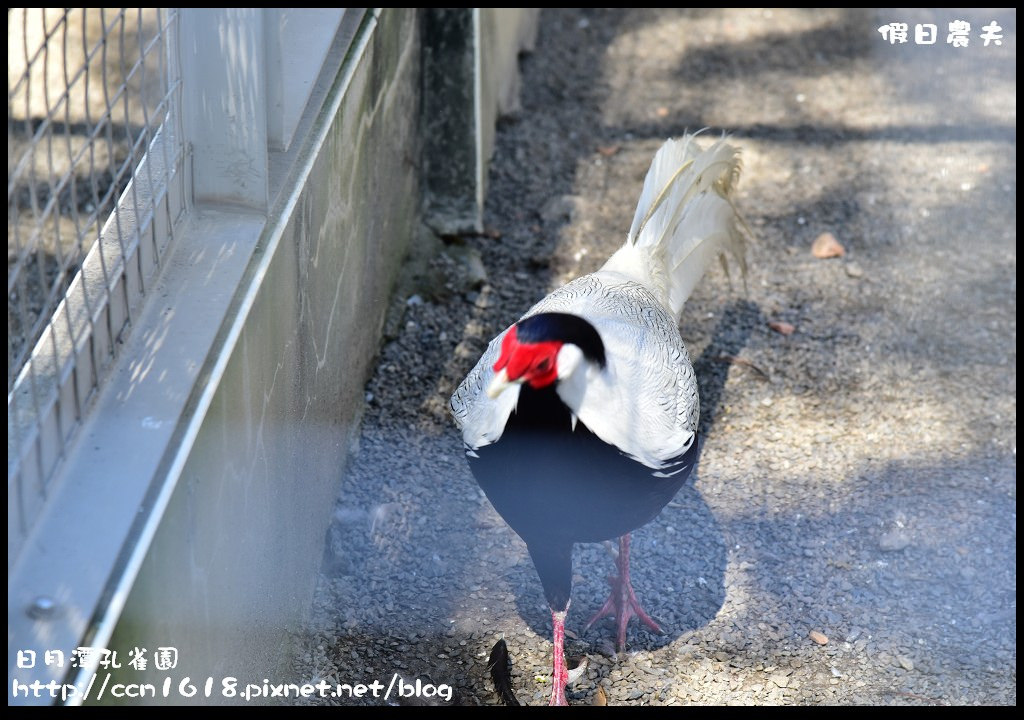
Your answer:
<point x="678" y="560"/>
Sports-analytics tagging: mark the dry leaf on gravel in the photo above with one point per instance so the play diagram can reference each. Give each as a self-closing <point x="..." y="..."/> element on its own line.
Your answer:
<point x="826" y="246"/>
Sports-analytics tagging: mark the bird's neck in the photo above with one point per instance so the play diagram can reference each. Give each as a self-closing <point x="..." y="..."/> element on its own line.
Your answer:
<point x="540" y="409"/>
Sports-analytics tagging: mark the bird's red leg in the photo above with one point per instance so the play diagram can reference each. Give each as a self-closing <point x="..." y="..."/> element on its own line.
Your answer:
<point x="560" y="673"/>
<point x="622" y="603"/>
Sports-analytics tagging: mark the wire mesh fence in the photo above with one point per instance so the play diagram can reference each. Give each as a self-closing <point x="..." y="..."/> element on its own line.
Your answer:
<point x="91" y="125"/>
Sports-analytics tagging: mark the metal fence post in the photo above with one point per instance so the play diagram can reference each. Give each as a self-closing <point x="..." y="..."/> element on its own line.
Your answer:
<point x="224" y="112"/>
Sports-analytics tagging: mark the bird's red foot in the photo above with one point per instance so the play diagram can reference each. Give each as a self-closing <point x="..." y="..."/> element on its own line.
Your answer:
<point x="622" y="603"/>
<point x="560" y="671"/>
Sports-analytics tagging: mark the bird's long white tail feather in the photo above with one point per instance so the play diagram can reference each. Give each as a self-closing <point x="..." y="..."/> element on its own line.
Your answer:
<point x="684" y="220"/>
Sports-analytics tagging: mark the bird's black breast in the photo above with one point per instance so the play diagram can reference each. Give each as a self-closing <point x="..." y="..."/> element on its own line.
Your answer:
<point x="553" y="483"/>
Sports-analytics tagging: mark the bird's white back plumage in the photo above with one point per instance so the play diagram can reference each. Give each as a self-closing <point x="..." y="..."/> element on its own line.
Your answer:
<point x="644" y="402"/>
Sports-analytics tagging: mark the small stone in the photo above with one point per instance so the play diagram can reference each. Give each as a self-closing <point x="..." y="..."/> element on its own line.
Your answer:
<point x="473" y="275"/>
<point x="558" y="208"/>
<point x="854" y="270"/>
<point x="893" y="541"/>
<point x="905" y="662"/>
<point x="818" y="637"/>
<point x="466" y="350"/>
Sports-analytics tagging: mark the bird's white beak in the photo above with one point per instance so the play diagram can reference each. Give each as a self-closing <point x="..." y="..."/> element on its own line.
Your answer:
<point x="500" y="383"/>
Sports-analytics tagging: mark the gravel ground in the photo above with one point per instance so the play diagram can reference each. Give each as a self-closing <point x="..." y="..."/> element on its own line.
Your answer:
<point x="851" y="534"/>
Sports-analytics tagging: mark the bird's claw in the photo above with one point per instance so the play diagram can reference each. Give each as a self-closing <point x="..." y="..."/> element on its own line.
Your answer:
<point x="577" y="672"/>
<point x="622" y="605"/>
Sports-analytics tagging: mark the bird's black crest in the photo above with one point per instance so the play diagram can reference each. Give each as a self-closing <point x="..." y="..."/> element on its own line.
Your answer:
<point x="565" y="328"/>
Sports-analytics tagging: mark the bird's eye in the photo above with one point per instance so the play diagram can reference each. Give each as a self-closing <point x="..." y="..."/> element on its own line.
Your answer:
<point x="544" y="364"/>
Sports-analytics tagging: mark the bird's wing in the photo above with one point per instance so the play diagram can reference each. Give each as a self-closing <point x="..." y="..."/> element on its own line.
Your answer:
<point x="644" y="402"/>
<point x="481" y="418"/>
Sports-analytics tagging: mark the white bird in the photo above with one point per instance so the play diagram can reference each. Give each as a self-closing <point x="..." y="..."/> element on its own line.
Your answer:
<point x="580" y="419"/>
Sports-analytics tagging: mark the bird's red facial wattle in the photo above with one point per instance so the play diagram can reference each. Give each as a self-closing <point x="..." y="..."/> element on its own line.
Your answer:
<point x="533" y="363"/>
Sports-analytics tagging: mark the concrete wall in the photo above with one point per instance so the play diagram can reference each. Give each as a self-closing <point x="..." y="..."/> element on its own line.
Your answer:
<point x="232" y="567"/>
